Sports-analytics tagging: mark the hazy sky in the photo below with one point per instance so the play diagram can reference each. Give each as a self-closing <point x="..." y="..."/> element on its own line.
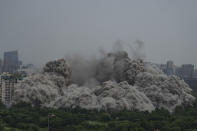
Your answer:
<point x="42" y="30"/>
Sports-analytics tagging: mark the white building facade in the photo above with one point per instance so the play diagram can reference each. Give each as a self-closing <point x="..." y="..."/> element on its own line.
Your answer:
<point x="6" y="88"/>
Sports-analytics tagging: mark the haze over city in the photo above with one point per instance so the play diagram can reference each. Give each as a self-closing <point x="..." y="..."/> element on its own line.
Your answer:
<point x="98" y="65"/>
<point x="47" y="29"/>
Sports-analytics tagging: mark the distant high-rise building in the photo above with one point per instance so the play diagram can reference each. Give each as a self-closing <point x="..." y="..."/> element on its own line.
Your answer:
<point x="6" y="88"/>
<point x="187" y="71"/>
<point x="163" y="67"/>
<point x="1" y="64"/>
<point x="11" y="62"/>
<point x="195" y="73"/>
<point x="170" y="68"/>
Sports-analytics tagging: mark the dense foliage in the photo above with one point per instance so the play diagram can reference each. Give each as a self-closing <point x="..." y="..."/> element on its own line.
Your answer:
<point x="24" y="117"/>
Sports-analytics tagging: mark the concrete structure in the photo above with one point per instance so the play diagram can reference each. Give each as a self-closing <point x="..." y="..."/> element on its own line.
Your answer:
<point x="187" y="71"/>
<point x="170" y="68"/>
<point x="163" y="67"/>
<point x="1" y="66"/>
<point x="6" y="88"/>
<point x="192" y="82"/>
<point x="11" y="62"/>
<point x="195" y="73"/>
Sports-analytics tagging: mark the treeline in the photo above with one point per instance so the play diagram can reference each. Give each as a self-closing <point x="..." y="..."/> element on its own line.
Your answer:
<point x="24" y="117"/>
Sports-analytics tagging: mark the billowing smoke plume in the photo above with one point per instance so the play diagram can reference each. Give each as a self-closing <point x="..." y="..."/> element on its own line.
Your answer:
<point x="111" y="82"/>
<point x="137" y="50"/>
<point x="115" y="65"/>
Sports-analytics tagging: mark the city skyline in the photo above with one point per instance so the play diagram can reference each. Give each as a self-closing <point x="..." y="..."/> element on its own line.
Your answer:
<point x="162" y="63"/>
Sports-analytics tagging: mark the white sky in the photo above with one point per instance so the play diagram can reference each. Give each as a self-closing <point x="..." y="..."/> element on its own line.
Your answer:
<point x="43" y="30"/>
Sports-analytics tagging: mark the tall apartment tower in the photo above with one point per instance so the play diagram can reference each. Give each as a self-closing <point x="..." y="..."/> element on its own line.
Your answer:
<point x="6" y="88"/>
<point x="187" y="70"/>
<point x="170" y="69"/>
<point x="11" y="62"/>
<point x="1" y="66"/>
